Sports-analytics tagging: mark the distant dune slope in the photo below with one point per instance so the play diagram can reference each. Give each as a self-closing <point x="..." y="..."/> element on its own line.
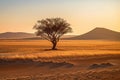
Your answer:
<point x="23" y="35"/>
<point x="95" y="34"/>
<point x="15" y="35"/>
<point x="99" y="34"/>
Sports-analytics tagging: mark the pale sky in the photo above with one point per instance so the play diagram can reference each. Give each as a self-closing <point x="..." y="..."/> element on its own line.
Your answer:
<point x="83" y="15"/>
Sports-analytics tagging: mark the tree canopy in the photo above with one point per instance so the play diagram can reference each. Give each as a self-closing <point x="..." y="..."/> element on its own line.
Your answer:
<point x="52" y="29"/>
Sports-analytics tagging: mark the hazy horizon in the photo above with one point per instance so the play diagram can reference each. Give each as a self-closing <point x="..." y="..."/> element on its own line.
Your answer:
<point x="83" y="15"/>
<point x="64" y="34"/>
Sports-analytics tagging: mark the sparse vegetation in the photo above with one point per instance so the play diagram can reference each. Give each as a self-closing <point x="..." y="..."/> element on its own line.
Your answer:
<point x="52" y="29"/>
<point x="38" y="48"/>
<point x="30" y="60"/>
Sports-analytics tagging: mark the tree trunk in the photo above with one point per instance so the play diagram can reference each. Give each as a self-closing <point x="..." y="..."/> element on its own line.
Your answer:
<point x="54" y="45"/>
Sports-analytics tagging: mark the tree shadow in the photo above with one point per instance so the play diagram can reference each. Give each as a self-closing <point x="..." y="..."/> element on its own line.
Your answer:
<point x="54" y="50"/>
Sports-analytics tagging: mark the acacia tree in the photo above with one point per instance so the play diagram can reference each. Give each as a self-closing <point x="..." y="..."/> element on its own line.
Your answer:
<point x="52" y="29"/>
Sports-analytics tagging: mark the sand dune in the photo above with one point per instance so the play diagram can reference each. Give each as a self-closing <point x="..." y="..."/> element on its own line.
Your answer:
<point x="95" y="34"/>
<point x="72" y="69"/>
<point x="99" y="34"/>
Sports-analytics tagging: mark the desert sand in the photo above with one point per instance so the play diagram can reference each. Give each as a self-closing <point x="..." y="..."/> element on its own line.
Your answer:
<point x="74" y="60"/>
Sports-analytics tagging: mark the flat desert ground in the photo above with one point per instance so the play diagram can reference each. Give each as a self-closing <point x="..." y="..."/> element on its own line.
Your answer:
<point x="74" y="60"/>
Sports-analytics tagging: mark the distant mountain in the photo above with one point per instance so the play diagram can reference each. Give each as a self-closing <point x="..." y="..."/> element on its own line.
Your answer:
<point x="15" y="35"/>
<point x="39" y="38"/>
<point x="23" y="35"/>
<point x="98" y="34"/>
<point x="95" y="34"/>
